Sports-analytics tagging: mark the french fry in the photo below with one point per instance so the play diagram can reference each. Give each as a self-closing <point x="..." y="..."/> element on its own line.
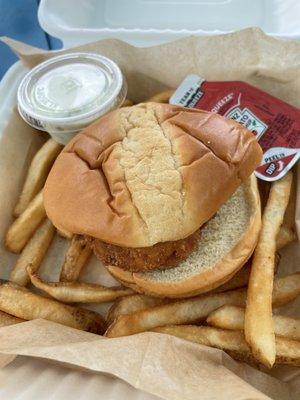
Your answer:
<point x="76" y="257"/>
<point x="259" y="330"/>
<point x="241" y="278"/>
<point x="178" y="312"/>
<point x="25" y="225"/>
<point x="65" y="234"/>
<point x="233" y="342"/>
<point x="131" y="304"/>
<point x="286" y="289"/>
<point x="227" y="317"/>
<point x="20" y="302"/>
<point x="78" y="292"/>
<point x="286" y="233"/>
<point x="289" y="216"/>
<point x="37" y="174"/>
<point x="231" y="317"/>
<point x="285" y="236"/>
<point x="127" y="103"/>
<point x="264" y="190"/>
<point x="162" y="97"/>
<point x="195" y="309"/>
<point x="6" y="319"/>
<point x="33" y="253"/>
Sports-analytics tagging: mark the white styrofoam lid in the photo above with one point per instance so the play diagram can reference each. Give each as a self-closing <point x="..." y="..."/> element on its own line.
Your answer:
<point x="149" y="22"/>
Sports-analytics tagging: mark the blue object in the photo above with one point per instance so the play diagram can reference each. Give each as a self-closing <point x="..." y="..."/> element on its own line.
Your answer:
<point x="18" y="20"/>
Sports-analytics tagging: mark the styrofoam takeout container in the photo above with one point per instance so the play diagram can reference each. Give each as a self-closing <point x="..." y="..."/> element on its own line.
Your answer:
<point x="141" y="23"/>
<point x="150" y="22"/>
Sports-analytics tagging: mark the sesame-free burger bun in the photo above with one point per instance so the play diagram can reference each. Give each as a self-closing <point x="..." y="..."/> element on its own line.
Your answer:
<point x="148" y="173"/>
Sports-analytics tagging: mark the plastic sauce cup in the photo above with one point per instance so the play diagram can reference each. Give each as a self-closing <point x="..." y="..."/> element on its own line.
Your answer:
<point x="65" y="94"/>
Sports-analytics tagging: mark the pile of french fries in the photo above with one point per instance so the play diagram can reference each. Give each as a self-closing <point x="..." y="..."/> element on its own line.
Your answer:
<point x="30" y="235"/>
<point x="237" y="317"/>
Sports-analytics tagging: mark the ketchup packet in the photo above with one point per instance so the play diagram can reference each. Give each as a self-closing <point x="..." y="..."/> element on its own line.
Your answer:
<point x="275" y="123"/>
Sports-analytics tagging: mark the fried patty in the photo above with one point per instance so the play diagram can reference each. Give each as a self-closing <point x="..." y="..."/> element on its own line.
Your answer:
<point x="165" y="254"/>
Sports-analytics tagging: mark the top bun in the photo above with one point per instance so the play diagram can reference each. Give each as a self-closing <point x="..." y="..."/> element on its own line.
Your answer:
<point x="148" y="173"/>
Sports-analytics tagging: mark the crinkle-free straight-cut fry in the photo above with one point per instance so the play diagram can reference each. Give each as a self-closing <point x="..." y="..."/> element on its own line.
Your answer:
<point x="76" y="258"/>
<point x="20" y="302"/>
<point x="33" y="253"/>
<point x="233" y="342"/>
<point x="37" y="174"/>
<point x="285" y="289"/>
<point x="285" y="236"/>
<point x="286" y="232"/>
<point x="78" y="292"/>
<point x="7" y="319"/>
<point x="25" y="225"/>
<point x="290" y="212"/>
<point x="195" y="309"/>
<point x="241" y="278"/>
<point x="131" y="304"/>
<point x="259" y="330"/>
<point x="232" y="317"/>
<point x="177" y="312"/>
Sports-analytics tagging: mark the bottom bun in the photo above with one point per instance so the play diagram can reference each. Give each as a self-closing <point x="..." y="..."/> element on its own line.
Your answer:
<point x="127" y="280"/>
<point x="227" y="241"/>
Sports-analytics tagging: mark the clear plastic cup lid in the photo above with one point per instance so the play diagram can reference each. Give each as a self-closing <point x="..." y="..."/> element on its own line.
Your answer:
<point x="70" y="89"/>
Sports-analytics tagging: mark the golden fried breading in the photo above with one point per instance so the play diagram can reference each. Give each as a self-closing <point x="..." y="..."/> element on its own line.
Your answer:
<point x="166" y="254"/>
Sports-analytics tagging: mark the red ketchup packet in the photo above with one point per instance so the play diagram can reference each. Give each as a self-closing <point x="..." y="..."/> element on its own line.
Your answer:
<point x="275" y="123"/>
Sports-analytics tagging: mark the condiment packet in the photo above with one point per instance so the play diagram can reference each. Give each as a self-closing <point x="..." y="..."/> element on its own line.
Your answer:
<point x="275" y="123"/>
